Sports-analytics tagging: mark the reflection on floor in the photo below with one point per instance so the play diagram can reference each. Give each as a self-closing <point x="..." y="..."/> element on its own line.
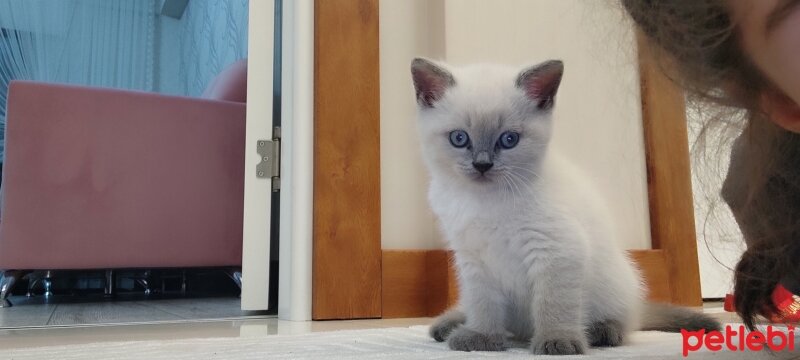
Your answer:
<point x="250" y="327"/>
<point x="34" y="312"/>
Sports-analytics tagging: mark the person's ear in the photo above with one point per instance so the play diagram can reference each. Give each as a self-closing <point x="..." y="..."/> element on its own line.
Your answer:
<point x="781" y="110"/>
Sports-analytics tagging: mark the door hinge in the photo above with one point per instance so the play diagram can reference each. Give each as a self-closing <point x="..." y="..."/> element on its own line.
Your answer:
<point x="270" y="153"/>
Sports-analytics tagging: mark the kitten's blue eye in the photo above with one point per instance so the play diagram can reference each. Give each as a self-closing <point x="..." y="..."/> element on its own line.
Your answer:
<point x="459" y="138"/>
<point x="509" y="139"/>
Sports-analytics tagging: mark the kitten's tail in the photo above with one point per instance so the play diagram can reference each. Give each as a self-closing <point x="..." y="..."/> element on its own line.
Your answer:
<point x="670" y="318"/>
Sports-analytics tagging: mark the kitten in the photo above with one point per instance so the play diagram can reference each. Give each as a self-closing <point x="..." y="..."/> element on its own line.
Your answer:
<point x="535" y="252"/>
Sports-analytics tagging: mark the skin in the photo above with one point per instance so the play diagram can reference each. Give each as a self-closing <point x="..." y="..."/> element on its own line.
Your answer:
<point x="769" y="32"/>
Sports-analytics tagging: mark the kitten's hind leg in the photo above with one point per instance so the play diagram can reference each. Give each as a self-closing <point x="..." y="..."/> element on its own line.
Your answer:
<point x="605" y="333"/>
<point x="446" y="323"/>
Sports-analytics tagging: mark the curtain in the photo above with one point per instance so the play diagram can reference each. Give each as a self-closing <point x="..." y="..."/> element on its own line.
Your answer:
<point x="108" y="43"/>
<point x="213" y="35"/>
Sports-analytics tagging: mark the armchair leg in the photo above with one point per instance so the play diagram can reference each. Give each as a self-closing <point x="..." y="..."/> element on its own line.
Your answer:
<point x="183" y="282"/>
<point x="6" y="284"/>
<point x="109" y="290"/>
<point x="144" y="282"/>
<point x="236" y="275"/>
<point x="33" y="279"/>
<point x="47" y="281"/>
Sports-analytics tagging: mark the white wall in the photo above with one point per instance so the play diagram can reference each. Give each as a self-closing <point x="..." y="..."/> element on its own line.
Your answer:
<point x="598" y="113"/>
<point x="408" y="28"/>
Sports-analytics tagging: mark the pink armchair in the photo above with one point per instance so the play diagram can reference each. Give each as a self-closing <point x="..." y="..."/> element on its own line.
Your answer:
<point x="108" y="179"/>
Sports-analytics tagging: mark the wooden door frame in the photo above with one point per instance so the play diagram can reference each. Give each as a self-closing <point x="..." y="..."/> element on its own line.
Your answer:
<point x="346" y="269"/>
<point x="354" y="278"/>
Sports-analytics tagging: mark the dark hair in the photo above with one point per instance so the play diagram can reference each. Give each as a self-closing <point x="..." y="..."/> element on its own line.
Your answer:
<point x="697" y="45"/>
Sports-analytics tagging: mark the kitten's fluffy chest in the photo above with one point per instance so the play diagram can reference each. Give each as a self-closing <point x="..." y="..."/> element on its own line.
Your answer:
<point x="505" y="234"/>
<point x="469" y="221"/>
<point x="485" y="234"/>
<point x="486" y="225"/>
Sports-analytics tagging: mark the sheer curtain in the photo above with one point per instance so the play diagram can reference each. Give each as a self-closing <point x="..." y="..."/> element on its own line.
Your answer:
<point x="213" y="35"/>
<point x="109" y="43"/>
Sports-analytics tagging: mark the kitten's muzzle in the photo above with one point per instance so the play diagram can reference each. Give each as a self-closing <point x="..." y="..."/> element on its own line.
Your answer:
<point x="482" y="166"/>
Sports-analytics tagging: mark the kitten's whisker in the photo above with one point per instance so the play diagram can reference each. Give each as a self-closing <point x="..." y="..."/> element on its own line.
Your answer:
<point x="508" y="190"/>
<point x="533" y="173"/>
<point x="517" y="193"/>
<point x="519" y="167"/>
<point x="505" y="189"/>
<point x="525" y="189"/>
<point x="517" y="188"/>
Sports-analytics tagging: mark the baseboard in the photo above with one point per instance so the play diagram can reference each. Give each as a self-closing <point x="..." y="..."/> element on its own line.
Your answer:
<point x="422" y="283"/>
<point x="653" y="265"/>
<point x="417" y="283"/>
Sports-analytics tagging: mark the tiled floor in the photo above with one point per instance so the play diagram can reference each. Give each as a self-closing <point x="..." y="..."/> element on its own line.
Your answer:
<point x="250" y="327"/>
<point x="34" y="313"/>
<point x="168" y="322"/>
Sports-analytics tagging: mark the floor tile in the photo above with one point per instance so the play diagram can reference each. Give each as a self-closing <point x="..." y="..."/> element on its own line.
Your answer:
<point x="207" y="308"/>
<point x="108" y="313"/>
<point x="21" y="315"/>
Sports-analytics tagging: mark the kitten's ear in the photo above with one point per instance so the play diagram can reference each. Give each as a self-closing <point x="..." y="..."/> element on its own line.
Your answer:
<point x="541" y="82"/>
<point x="430" y="81"/>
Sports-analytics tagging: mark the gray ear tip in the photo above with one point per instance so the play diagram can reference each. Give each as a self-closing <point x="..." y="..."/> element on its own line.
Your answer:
<point x="419" y="62"/>
<point x="555" y="65"/>
<point x="552" y="67"/>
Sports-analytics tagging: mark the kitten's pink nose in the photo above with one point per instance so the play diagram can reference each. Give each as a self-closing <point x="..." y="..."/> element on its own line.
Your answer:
<point x="482" y="166"/>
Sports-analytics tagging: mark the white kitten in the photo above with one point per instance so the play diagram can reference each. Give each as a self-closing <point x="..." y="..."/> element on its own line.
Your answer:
<point x="536" y="254"/>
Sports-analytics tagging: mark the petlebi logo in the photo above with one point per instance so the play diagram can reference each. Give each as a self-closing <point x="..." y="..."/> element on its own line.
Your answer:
<point x="739" y="339"/>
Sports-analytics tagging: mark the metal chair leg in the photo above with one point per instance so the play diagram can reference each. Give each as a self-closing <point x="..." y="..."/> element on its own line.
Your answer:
<point x="6" y="284"/>
<point x="144" y="282"/>
<point x="236" y="276"/>
<point x="47" y="282"/>
<point x="33" y="279"/>
<point x="183" y="282"/>
<point x="31" y="284"/>
<point x="109" y="290"/>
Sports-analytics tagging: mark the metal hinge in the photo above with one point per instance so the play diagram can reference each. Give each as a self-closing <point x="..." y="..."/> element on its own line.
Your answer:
<point x="270" y="153"/>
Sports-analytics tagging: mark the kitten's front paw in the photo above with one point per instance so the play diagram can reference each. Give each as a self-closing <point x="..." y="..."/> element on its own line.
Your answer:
<point x="463" y="339"/>
<point x="446" y="323"/>
<point x="605" y="333"/>
<point x="559" y="345"/>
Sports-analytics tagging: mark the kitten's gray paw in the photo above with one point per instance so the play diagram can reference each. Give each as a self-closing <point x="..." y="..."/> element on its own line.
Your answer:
<point x="559" y="345"/>
<point x="446" y="323"/>
<point x="463" y="339"/>
<point x="605" y="333"/>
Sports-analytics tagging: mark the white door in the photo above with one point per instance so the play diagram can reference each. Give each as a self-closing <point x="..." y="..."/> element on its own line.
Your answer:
<point x="257" y="190"/>
<point x="296" y="165"/>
